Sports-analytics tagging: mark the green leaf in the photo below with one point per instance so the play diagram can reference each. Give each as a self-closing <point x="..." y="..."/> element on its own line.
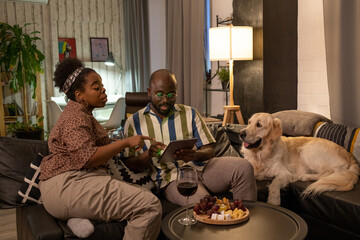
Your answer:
<point x="19" y="56"/>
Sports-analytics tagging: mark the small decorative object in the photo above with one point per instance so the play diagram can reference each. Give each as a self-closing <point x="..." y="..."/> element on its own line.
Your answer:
<point x="12" y="107"/>
<point x="223" y="73"/>
<point x="99" y="49"/>
<point x="67" y="48"/>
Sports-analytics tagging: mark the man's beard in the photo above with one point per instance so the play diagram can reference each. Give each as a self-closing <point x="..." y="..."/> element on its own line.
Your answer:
<point x="163" y="112"/>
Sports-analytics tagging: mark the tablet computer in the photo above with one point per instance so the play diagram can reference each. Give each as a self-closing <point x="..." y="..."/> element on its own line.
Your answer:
<point x="168" y="154"/>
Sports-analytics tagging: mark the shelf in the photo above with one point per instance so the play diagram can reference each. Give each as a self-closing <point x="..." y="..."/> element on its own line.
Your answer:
<point x="216" y="90"/>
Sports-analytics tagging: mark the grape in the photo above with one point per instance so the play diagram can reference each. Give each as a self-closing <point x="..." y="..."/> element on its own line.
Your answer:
<point x="204" y="200"/>
<point x="197" y="209"/>
<point x="209" y="205"/>
<point x="209" y="212"/>
<point x="203" y="206"/>
<point x="232" y="206"/>
<point x="215" y="208"/>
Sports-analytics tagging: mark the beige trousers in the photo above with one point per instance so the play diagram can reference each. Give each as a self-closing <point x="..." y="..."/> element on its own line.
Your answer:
<point x="93" y="194"/>
<point x="218" y="176"/>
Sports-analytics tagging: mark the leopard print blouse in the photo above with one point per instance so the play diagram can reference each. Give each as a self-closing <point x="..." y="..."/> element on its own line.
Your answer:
<point x="73" y="140"/>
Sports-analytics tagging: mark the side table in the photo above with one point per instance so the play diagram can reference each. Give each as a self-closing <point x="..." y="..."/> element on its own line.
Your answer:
<point x="266" y="222"/>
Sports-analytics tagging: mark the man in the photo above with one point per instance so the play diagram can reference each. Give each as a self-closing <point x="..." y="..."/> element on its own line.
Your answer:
<point x="164" y="120"/>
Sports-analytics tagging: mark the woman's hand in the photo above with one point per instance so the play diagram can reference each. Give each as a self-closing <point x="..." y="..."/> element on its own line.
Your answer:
<point x="137" y="141"/>
<point x="155" y="149"/>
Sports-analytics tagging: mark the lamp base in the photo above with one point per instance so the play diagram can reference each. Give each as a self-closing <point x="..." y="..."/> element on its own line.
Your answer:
<point x="230" y="113"/>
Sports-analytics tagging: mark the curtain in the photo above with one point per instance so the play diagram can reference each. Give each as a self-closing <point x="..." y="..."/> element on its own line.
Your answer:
<point x="342" y="44"/>
<point x="136" y="45"/>
<point x="184" y="49"/>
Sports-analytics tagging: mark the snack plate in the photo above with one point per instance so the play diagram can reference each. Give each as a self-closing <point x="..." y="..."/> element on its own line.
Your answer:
<point x="206" y="219"/>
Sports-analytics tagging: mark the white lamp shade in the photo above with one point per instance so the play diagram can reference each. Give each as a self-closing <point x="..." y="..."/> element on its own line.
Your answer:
<point x="231" y="43"/>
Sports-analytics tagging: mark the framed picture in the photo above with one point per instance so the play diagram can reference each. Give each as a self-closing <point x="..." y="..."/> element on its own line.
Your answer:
<point x="99" y="49"/>
<point x="67" y="48"/>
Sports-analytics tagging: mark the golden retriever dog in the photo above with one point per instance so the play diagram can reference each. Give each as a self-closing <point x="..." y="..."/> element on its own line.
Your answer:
<point x="290" y="159"/>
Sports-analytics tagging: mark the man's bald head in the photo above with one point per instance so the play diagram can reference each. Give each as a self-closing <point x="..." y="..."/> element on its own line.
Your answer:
<point x="163" y="75"/>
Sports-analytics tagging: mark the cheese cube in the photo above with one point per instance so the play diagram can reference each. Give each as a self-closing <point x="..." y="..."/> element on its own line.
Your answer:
<point x="214" y="216"/>
<point x="228" y="216"/>
<point x="220" y="217"/>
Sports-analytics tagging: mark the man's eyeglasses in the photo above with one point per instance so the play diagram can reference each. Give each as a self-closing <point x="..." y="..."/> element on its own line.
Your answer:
<point x="168" y="96"/>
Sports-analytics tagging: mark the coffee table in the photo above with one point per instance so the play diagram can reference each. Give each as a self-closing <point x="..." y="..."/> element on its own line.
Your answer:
<point x="266" y="222"/>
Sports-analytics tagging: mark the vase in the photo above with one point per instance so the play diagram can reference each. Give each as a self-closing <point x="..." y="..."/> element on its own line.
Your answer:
<point x="224" y="85"/>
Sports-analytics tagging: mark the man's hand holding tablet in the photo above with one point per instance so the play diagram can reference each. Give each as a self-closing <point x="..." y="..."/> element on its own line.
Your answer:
<point x="179" y="150"/>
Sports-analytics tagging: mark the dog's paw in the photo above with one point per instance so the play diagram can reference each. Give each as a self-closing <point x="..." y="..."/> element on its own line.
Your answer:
<point x="81" y="227"/>
<point x="273" y="200"/>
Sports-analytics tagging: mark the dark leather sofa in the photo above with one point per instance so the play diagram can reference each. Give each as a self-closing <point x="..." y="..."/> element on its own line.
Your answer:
<point x="331" y="215"/>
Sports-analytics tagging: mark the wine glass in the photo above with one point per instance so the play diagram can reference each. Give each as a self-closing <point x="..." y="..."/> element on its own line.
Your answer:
<point x="186" y="183"/>
<point x="116" y="134"/>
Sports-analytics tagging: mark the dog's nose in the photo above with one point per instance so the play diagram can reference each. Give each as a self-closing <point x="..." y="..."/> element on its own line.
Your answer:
<point x="243" y="134"/>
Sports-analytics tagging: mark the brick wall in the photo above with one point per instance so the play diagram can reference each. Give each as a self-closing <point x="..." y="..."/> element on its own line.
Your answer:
<point x="313" y="94"/>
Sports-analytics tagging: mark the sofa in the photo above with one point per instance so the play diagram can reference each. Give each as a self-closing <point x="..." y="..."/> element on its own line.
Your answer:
<point x="330" y="215"/>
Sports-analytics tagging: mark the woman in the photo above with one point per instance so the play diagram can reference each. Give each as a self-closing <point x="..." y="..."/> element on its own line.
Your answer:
<point x="73" y="182"/>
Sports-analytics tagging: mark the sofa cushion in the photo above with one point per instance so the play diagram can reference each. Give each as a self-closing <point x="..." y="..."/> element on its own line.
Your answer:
<point x="15" y="158"/>
<point x="119" y="171"/>
<point x="29" y="191"/>
<point x="341" y="209"/>
<point x="298" y="123"/>
<point x="344" y="136"/>
<point x="223" y="146"/>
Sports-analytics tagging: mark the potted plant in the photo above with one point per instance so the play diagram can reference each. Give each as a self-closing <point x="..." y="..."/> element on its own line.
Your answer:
<point x="27" y="130"/>
<point x="223" y="73"/>
<point x="19" y="56"/>
<point x="12" y="108"/>
<point x="20" y="59"/>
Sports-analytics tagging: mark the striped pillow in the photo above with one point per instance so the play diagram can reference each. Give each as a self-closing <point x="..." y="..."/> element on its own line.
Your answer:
<point x="346" y="137"/>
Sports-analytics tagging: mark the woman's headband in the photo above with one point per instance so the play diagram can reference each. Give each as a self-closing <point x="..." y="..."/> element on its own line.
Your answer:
<point x="71" y="79"/>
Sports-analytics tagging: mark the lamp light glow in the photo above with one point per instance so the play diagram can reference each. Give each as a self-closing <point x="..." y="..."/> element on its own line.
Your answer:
<point x="231" y="43"/>
<point x="110" y="61"/>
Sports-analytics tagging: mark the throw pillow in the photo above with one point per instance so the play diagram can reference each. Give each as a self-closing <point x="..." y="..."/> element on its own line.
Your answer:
<point x="119" y="171"/>
<point x="16" y="155"/>
<point x="29" y="191"/>
<point x="344" y="136"/>
<point x="223" y="146"/>
<point x="298" y="123"/>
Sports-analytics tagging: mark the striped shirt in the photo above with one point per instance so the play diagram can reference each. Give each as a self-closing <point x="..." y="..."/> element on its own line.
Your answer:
<point x="182" y="122"/>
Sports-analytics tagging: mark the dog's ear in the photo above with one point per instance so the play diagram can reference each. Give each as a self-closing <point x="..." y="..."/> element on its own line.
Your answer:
<point x="277" y="129"/>
<point x="275" y="132"/>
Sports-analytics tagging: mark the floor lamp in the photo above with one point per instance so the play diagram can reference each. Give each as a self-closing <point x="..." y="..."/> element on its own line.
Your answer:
<point x="229" y="44"/>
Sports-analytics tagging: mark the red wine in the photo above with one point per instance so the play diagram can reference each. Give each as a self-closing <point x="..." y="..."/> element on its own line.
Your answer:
<point x="187" y="188"/>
